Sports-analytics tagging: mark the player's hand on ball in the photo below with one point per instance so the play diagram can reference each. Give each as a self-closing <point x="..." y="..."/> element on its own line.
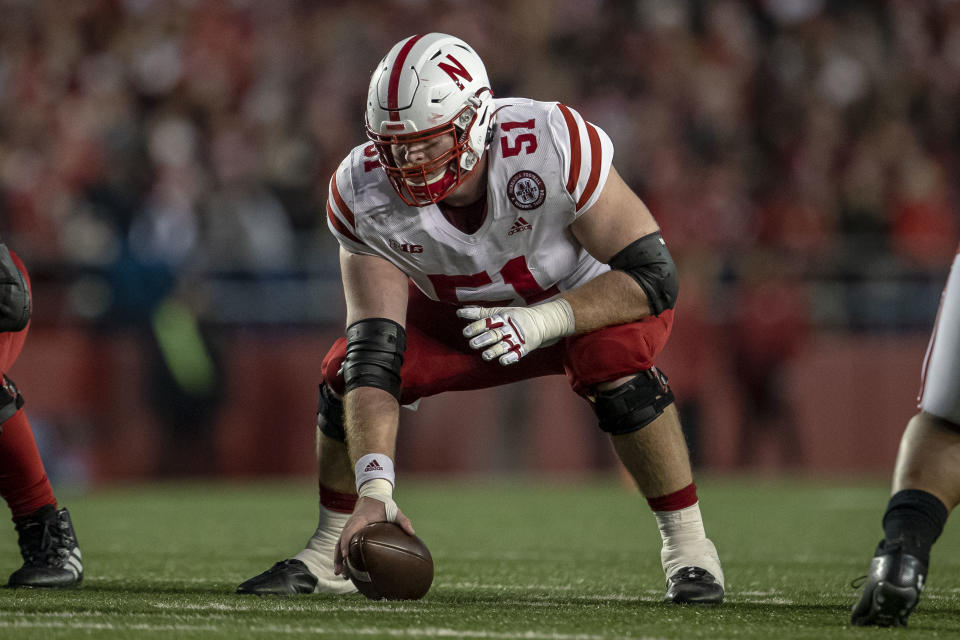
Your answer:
<point x="367" y="510"/>
<point x="509" y="333"/>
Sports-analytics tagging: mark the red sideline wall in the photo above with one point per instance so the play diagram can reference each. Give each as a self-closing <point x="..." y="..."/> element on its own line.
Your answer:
<point x="851" y="396"/>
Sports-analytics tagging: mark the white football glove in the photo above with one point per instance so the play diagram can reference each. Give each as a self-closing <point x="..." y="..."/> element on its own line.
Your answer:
<point x="509" y="333"/>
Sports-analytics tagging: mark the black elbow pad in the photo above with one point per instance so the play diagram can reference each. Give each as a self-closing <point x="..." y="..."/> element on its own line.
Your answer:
<point x="648" y="262"/>
<point x="14" y="294"/>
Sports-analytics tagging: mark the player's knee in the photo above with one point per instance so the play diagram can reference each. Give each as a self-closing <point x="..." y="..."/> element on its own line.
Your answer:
<point x="330" y="414"/>
<point x="634" y="404"/>
<point x="10" y="400"/>
<point x="331" y="367"/>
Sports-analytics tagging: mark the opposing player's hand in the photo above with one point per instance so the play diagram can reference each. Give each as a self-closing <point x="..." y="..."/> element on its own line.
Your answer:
<point x="367" y="511"/>
<point x="509" y="333"/>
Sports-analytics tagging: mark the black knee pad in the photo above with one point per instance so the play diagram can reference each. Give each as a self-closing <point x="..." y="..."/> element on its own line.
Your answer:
<point x="330" y="414"/>
<point x="634" y="404"/>
<point x="10" y="400"/>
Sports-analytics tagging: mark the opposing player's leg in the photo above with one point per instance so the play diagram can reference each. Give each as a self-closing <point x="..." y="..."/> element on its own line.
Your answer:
<point x="926" y="479"/>
<point x="926" y="487"/>
<point x="637" y="411"/>
<point x="48" y="544"/>
<point x="311" y="569"/>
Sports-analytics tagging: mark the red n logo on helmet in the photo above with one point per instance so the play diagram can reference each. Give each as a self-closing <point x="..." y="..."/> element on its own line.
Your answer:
<point x="455" y="71"/>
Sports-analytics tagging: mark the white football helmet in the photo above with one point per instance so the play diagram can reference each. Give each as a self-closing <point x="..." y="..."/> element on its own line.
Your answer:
<point x="429" y="86"/>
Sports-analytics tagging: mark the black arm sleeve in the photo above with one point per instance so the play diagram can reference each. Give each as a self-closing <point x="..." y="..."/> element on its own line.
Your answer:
<point x="374" y="358"/>
<point x="648" y="262"/>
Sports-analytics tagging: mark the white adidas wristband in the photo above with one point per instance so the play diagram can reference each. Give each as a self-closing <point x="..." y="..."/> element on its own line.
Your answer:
<point x="372" y="466"/>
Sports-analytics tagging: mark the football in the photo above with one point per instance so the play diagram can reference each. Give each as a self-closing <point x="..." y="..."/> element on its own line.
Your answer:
<point x="385" y="563"/>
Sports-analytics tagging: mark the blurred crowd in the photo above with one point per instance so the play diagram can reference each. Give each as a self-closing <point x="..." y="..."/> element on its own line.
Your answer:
<point x="151" y="148"/>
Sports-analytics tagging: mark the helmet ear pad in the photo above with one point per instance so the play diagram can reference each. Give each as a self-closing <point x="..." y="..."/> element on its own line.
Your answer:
<point x="479" y="128"/>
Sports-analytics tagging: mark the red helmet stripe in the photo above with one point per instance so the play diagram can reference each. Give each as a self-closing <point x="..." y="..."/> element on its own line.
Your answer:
<point x="394" y="87"/>
<point x="341" y="205"/>
<point x="574" y="132"/>
<point x="596" y="153"/>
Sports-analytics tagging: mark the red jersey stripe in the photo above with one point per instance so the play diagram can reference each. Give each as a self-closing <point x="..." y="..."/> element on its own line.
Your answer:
<point x="344" y="209"/>
<point x="574" y="132"/>
<point x="596" y="153"/>
<point x="340" y="227"/>
<point x="393" y="89"/>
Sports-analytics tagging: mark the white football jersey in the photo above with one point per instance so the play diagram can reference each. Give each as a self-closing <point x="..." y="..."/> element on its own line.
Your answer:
<point x="940" y="388"/>
<point x="546" y="165"/>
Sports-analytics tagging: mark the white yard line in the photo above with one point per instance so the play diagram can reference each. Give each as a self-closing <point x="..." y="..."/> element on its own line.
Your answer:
<point x="315" y="605"/>
<point x="426" y="632"/>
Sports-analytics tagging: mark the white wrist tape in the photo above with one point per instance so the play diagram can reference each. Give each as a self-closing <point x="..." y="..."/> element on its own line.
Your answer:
<point x="374" y="465"/>
<point x="380" y="489"/>
<point x="556" y="318"/>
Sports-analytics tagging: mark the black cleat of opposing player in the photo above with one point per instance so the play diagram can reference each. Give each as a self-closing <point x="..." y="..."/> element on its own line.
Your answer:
<point x="891" y="591"/>
<point x="693" y="585"/>
<point x="287" y="578"/>
<point x="48" y="544"/>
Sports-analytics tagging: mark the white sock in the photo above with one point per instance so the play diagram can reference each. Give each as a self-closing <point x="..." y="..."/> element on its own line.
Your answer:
<point x="318" y="555"/>
<point x="685" y="543"/>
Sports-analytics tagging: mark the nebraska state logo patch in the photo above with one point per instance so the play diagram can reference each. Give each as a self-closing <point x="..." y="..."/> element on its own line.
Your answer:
<point x="526" y="190"/>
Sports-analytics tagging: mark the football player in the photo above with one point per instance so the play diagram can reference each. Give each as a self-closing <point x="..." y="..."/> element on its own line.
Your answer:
<point x="926" y="478"/>
<point x="483" y="241"/>
<point x="47" y="541"/>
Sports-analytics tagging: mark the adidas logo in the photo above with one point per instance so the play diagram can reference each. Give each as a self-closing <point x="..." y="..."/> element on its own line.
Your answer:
<point x="519" y="225"/>
<point x="373" y="465"/>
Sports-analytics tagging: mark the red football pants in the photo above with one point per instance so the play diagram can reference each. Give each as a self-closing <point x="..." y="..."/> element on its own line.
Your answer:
<point x="439" y="359"/>
<point x="23" y="481"/>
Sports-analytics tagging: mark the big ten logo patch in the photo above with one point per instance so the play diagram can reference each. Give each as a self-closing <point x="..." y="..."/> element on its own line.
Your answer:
<point x="405" y="247"/>
<point x="526" y="190"/>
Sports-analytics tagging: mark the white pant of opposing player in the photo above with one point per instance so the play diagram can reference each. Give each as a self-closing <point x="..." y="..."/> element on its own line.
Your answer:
<point x="940" y="390"/>
<point x="318" y="555"/>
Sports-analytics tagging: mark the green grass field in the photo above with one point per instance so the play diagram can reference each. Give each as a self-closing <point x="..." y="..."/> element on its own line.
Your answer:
<point x="514" y="559"/>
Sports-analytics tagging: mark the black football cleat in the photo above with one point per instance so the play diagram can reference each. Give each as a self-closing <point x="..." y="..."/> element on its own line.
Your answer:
<point x="287" y="578"/>
<point x="48" y="544"/>
<point x="693" y="585"/>
<point x="891" y="591"/>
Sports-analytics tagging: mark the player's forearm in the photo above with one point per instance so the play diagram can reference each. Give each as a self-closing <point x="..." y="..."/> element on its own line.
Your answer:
<point x="509" y="333"/>
<point x="609" y="299"/>
<point x="371" y="428"/>
<point x="371" y="417"/>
